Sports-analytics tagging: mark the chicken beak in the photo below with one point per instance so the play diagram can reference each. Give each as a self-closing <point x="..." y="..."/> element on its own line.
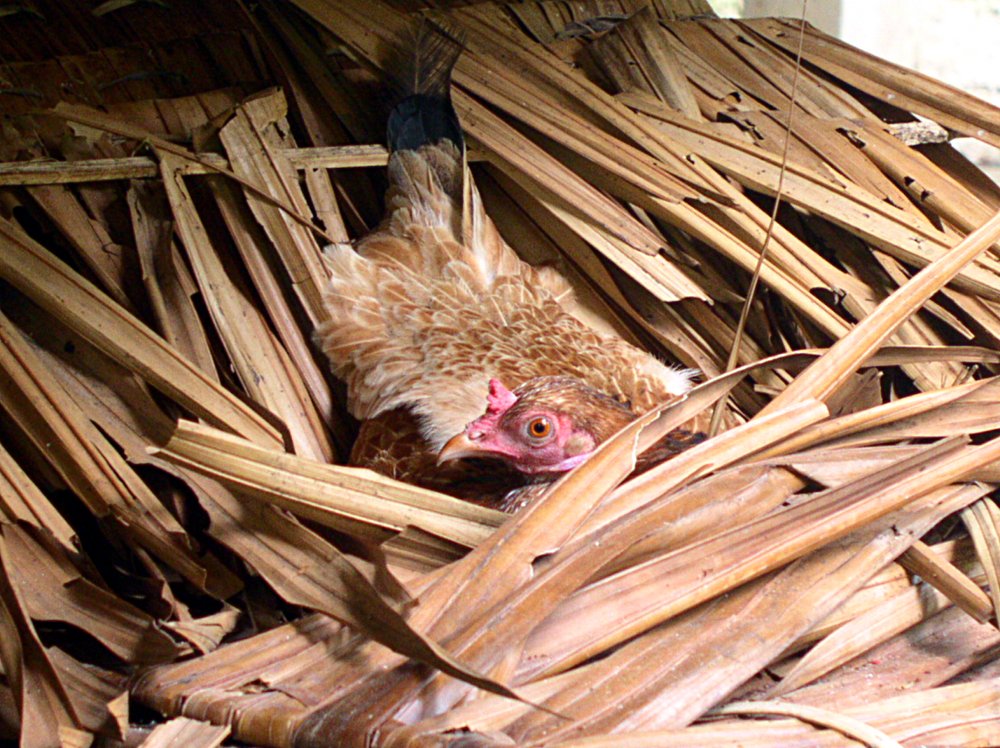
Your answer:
<point x="459" y="446"/>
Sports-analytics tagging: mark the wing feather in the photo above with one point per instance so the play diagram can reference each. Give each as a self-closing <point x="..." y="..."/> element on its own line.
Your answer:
<point x="431" y="305"/>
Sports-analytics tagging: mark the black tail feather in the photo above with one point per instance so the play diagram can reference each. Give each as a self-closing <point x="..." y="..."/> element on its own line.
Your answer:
<point x="424" y="113"/>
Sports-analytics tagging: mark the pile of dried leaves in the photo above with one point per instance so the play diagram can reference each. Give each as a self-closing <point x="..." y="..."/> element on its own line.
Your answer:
<point x="175" y="528"/>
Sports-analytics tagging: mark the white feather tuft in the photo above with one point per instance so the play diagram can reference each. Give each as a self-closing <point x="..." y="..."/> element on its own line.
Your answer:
<point x="677" y="381"/>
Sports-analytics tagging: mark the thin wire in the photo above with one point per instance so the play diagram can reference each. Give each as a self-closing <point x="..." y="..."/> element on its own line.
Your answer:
<point x="755" y="280"/>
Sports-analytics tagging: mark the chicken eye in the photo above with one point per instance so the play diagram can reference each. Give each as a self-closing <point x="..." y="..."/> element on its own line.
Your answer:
<point x="539" y="428"/>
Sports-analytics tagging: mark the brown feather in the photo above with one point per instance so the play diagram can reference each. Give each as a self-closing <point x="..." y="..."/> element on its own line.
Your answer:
<point x="432" y="304"/>
<point x="391" y="444"/>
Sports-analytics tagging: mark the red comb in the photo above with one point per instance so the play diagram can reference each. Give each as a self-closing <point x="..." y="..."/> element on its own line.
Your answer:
<point x="500" y="398"/>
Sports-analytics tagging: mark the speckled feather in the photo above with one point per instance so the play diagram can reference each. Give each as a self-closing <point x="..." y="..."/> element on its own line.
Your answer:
<point x="433" y="303"/>
<point x="422" y="320"/>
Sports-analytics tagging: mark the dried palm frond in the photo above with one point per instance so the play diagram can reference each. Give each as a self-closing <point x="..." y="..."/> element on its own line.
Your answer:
<point x="170" y="440"/>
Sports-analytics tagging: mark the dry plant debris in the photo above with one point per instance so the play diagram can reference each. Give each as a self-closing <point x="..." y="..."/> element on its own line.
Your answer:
<point x="178" y="532"/>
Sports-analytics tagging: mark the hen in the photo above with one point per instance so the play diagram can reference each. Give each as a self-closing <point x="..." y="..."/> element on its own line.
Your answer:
<point x="433" y="316"/>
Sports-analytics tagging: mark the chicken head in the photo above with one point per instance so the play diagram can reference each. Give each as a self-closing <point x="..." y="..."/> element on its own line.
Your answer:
<point x="547" y="425"/>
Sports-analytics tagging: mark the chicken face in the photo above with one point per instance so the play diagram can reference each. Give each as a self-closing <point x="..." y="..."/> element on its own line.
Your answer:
<point x="547" y="425"/>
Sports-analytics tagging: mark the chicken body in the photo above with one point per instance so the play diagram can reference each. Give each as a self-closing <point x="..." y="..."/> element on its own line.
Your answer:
<point x="433" y="304"/>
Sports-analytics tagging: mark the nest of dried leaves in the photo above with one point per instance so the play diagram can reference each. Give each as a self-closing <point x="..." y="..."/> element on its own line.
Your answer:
<point x="175" y="528"/>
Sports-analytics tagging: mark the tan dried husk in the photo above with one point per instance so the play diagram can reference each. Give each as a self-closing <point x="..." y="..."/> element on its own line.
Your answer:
<point x="171" y="449"/>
